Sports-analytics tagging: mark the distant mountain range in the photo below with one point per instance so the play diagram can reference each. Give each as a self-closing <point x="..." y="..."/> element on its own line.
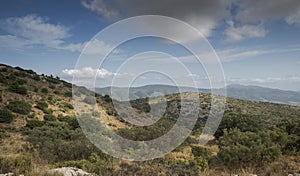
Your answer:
<point x="254" y="93"/>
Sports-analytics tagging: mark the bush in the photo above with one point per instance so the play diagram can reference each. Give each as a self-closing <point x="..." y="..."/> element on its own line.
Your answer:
<point x="18" y="89"/>
<point x="30" y="72"/>
<point x="20" y="107"/>
<point x="42" y="105"/>
<point x="107" y="98"/>
<point x="19" y="164"/>
<point x="52" y="86"/>
<point x="52" y="80"/>
<point x="70" y="120"/>
<point x="2" y="78"/>
<point x="57" y="143"/>
<point x="66" y="106"/>
<point x="244" y="149"/>
<point x="111" y="112"/>
<point x="141" y="104"/>
<point x="11" y="77"/>
<point x="6" y="116"/>
<point x="21" y="81"/>
<point x="202" y="163"/>
<point x="3" y="134"/>
<point x="3" y="70"/>
<point x="0" y="98"/>
<point x="49" y="117"/>
<point x="36" y="77"/>
<point x="48" y="111"/>
<point x="68" y="94"/>
<point x="44" y="90"/>
<point x="34" y="123"/>
<point x="242" y="122"/>
<point x="199" y="151"/>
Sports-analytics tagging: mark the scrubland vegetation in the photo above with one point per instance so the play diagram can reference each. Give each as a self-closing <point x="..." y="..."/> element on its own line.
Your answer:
<point x="39" y="130"/>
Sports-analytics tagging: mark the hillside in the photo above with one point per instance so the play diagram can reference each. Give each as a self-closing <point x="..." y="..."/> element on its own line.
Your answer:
<point x="264" y="94"/>
<point x="242" y="92"/>
<point x="39" y="131"/>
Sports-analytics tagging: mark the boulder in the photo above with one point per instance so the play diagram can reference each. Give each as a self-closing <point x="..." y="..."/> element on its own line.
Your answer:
<point x="69" y="171"/>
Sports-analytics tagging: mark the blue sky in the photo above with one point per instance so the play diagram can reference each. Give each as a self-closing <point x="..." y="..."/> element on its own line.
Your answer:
<point x="258" y="42"/>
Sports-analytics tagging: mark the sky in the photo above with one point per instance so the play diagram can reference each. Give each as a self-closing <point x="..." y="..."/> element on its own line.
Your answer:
<point x="257" y="42"/>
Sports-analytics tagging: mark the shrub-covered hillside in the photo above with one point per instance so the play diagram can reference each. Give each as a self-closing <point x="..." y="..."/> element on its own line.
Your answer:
<point x="39" y="131"/>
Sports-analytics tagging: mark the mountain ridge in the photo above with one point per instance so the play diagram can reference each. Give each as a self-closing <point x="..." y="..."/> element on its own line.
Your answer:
<point x="243" y="92"/>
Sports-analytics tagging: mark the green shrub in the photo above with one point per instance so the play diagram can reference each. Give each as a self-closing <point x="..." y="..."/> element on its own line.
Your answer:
<point x="202" y="163"/>
<point x="141" y="104"/>
<point x="52" y="86"/>
<point x="242" y="122"/>
<point x="44" y="90"/>
<point x="3" y="70"/>
<point x="19" y="164"/>
<point x="31" y="115"/>
<point x="68" y="94"/>
<point x="49" y="117"/>
<point x="70" y="120"/>
<point x="42" y="105"/>
<point x="18" y="89"/>
<point x="21" y="81"/>
<point x="48" y="111"/>
<point x="20" y="107"/>
<point x="244" y="149"/>
<point x="111" y="112"/>
<point x="66" y="84"/>
<point x="35" y="89"/>
<point x="36" y="77"/>
<point x="199" y="151"/>
<point x="30" y="72"/>
<point x="66" y="106"/>
<point x="2" y="79"/>
<point x="107" y="98"/>
<point x="57" y="143"/>
<point x="34" y="123"/>
<point x="3" y="134"/>
<point x="6" y="116"/>
<point x="52" y="80"/>
<point x="12" y="77"/>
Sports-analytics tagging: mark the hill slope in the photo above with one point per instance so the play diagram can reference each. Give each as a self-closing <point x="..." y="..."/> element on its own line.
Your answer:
<point x="39" y="130"/>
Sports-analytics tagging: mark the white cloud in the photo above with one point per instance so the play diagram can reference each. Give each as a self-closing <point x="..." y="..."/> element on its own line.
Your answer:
<point x="236" y="34"/>
<point x="263" y="80"/>
<point x="204" y="15"/>
<point x="256" y="11"/>
<point x="98" y="47"/>
<point x="293" y="18"/>
<point x="87" y="72"/>
<point x="32" y="29"/>
<point x="101" y="8"/>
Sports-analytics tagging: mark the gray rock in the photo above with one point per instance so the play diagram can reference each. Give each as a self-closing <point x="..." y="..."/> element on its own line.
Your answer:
<point x="8" y="174"/>
<point x="69" y="171"/>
